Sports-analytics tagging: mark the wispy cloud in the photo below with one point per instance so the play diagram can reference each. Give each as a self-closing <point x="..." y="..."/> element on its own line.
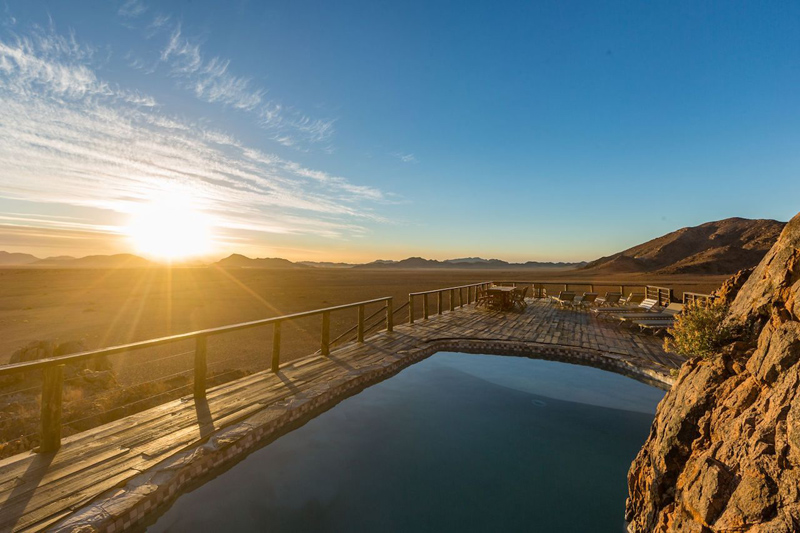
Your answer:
<point x="405" y="158"/>
<point x="132" y="9"/>
<point x="212" y="80"/>
<point x="57" y="65"/>
<point x="69" y="137"/>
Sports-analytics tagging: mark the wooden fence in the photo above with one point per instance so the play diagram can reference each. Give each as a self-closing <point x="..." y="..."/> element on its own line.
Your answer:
<point x="696" y="298"/>
<point x="53" y="367"/>
<point x="455" y="298"/>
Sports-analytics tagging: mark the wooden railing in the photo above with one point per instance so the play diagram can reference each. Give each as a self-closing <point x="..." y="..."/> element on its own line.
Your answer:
<point x="662" y="294"/>
<point x="539" y="288"/>
<point x="53" y="367"/>
<point x="696" y="298"/>
<point x="452" y="292"/>
<point x="459" y="296"/>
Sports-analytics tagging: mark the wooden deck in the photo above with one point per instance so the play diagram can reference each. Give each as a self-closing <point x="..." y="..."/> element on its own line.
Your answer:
<point x="147" y="458"/>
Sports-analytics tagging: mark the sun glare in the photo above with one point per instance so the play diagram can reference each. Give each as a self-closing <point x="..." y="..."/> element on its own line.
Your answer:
<point x="170" y="228"/>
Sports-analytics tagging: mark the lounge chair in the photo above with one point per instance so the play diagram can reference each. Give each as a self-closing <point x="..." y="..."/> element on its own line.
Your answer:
<point x="611" y="298"/>
<point x="646" y="305"/>
<point x="667" y="313"/>
<point x="587" y="300"/>
<point x="632" y="299"/>
<point x="564" y="298"/>
<point x="655" y="326"/>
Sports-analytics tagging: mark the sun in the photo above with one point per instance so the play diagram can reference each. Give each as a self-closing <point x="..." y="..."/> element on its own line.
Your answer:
<point x="170" y="228"/>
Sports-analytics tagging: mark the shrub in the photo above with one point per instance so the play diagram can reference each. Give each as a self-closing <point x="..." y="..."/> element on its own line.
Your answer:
<point x="700" y="330"/>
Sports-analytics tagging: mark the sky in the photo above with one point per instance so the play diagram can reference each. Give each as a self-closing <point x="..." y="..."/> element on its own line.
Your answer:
<point x="352" y="131"/>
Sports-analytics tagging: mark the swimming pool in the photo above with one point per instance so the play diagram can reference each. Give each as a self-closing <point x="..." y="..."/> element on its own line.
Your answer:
<point x="454" y="442"/>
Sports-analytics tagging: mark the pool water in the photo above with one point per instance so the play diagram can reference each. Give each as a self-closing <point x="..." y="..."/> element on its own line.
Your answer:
<point x="456" y="442"/>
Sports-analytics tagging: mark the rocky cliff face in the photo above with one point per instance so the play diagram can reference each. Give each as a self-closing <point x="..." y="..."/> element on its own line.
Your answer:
<point x="724" y="450"/>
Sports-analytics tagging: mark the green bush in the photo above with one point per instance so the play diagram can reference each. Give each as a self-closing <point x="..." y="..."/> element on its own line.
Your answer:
<point x="699" y="330"/>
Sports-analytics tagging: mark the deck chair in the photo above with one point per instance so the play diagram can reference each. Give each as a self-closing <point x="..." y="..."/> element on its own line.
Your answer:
<point x="633" y="299"/>
<point x="564" y="298"/>
<point x="610" y="299"/>
<point x="482" y="298"/>
<point x="518" y="298"/>
<point x="646" y="305"/>
<point x="655" y="326"/>
<point x="668" y="313"/>
<point x="587" y="300"/>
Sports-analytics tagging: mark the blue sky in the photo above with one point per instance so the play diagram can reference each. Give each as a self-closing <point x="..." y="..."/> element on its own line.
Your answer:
<point x="360" y="130"/>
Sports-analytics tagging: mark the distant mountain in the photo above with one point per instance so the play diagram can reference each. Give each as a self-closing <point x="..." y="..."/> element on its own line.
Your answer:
<point x="325" y="264"/>
<point x="241" y="261"/>
<point x="59" y="260"/>
<point x="466" y="262"/>
<point x="470" y="260"/>
<point x="16" y="259"/>
<point x="66" y="261"/>
<point x="721" y="247"/>
<point x="108" y="261"/>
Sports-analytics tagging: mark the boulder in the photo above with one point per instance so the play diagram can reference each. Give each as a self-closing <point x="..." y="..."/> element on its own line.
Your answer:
<point x="774" y="285"/>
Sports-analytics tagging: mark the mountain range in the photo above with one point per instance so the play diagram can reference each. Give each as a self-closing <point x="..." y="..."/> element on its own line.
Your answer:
<point x="720" y="247"/>
<point x="65" y="261"/>
<point x="469" y="262"/>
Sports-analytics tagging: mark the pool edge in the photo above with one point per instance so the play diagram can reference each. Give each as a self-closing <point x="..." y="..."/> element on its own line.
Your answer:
<point x="150" y="492"/>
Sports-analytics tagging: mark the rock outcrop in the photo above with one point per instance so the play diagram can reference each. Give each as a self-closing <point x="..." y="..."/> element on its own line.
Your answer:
<point x="724" y="450"/>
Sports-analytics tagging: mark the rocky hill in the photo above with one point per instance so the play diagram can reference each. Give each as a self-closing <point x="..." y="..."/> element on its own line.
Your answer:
<point x="724" y="450"/>
<point x="721" y="247"/>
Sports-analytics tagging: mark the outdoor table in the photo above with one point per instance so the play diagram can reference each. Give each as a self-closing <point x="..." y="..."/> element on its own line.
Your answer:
<point x="504" y="294"/>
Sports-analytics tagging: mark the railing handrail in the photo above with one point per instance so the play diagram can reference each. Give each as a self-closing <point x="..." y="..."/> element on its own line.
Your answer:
<point x="690" y="297"/>
<point x="14" y="368"/>
<point x="434" y="291"/>
<point x="572" y="282"/>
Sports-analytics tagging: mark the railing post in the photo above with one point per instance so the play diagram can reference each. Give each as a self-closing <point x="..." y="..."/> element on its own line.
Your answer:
<point x="410" y="308"/>
<point x="52" y="382"/>
<point x="389" y="315"/>
<point x="439" y="303"/>
<point x="452" y="299"/>
<point x="200" y="367"/>
<point x="276" y="346"/>
<point x="360" y="323"/>
<point x="325" y="342"/>
<point x="425" y="306"/>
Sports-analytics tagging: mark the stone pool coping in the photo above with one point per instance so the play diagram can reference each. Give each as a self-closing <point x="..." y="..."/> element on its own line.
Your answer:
<point x="147" y="494"/>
